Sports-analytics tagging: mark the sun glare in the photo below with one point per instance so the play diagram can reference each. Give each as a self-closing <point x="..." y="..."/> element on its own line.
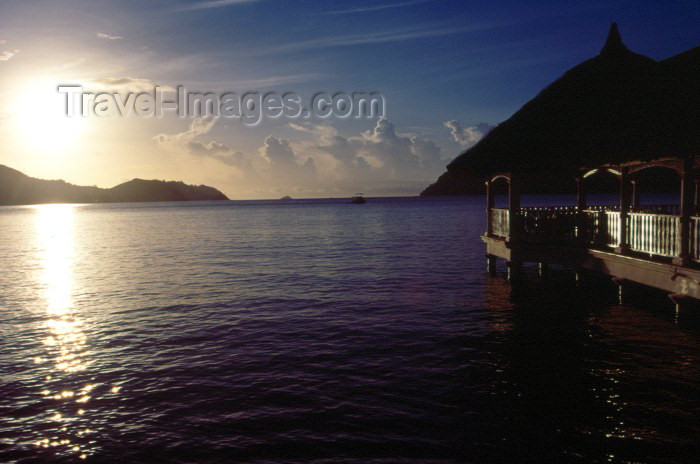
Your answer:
<point x="40" y="116"/>
<point x="55" y="234"/>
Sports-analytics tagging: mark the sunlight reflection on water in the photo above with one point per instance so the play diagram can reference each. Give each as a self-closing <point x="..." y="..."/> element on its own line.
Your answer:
<point x="65" y="340"/>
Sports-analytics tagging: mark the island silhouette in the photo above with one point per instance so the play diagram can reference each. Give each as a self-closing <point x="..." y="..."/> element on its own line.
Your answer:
<point x="17" y="188"/>
<point x="616" y="106"/>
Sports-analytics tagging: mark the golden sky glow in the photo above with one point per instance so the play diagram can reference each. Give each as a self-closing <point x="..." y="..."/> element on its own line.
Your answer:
<point x="448" y="73"/>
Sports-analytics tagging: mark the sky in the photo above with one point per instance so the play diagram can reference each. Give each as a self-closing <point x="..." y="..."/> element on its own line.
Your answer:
<point x="448" y="71"/>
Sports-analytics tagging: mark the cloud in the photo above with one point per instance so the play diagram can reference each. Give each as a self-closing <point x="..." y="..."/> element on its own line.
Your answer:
<point x="198" y="126"/>
<point x="399" y="35"/>
<point x="275" y="167"/>
<point x="209" y="148"/>
<point x="284" y="164"/>
<point x="376" y="7"/>
<point x="401" y="155"/>
<point x="380" y="160"/>
<point x="467" y="137"/>
<point x="185" y="142"/>
<point x="124" y="84"/>
<point x="271" y="81"/>
<point x="212" y="4"/>
<point x="376" y="158"/>
<point x="69" y="64"/>
<point x="8" y="54"/>
<point x="106" y="36"/>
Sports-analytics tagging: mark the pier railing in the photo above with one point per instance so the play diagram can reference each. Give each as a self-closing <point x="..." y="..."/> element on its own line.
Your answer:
<point x="548" y="225"/>
<point x="652" y="230"/>
<point x="656" y="234"/>
<point x="694" y="248"/>
<point x="610" y="235"/>
<point x="500" y="222"/>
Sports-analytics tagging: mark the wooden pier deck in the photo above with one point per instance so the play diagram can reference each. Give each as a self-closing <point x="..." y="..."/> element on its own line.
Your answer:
<point x="650" y="247"/>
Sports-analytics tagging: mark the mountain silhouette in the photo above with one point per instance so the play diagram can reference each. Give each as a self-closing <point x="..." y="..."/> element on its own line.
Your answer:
<point x="618" y="106"/>
<point x="17" y="188"/>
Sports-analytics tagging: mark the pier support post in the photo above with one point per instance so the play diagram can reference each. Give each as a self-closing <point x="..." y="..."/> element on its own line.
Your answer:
<point x="581" y="279"/>
<point x="515" y="269"/>
<point x="491" y="264"/>
<point x="622" y="290"/>
<point x="681" y="301"/>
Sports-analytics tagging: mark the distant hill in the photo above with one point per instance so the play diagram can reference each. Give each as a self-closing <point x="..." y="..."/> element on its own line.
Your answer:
<point x="17" y="188"/>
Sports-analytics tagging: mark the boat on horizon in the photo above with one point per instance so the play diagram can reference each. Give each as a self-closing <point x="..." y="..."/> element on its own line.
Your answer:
<point x="358" y="199"/>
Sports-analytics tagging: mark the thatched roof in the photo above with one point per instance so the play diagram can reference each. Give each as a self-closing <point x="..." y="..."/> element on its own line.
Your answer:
<point x="616" y="107"/>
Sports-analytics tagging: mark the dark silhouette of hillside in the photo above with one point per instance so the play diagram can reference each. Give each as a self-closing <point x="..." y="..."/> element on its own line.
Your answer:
<point x="17" y="188"/>
<point x="616" y="107"/>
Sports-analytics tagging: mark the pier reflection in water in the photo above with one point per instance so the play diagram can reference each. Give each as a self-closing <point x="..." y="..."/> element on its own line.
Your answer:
<point x="581" y="374"/>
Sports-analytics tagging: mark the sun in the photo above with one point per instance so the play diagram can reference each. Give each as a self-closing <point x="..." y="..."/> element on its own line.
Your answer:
<point x="39" y="111"/>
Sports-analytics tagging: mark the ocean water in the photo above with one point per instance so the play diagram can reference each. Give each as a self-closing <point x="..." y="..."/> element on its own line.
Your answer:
<point x="322" y="332"/>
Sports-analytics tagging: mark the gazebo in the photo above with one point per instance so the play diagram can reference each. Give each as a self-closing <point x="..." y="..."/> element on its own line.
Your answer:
<point x="619" y="113"/>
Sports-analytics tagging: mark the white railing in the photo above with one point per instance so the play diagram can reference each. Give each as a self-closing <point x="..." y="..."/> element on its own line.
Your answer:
<point x="694" y="249"/>
<point x="656" y="234"/>
<point x="652" y="233"/>
<point x="611" y="236"/>
<point x="500" y="222"/>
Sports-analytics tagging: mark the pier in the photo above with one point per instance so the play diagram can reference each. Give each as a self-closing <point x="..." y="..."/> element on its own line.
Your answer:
<point x="653" y="245"/>
<point x="619" y="116"/>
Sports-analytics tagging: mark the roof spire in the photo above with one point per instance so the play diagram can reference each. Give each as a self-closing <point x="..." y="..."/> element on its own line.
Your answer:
<point x="614" y="43"/>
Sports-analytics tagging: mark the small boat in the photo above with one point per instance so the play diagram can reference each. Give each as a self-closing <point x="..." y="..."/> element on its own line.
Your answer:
<point x="358" y="199"/>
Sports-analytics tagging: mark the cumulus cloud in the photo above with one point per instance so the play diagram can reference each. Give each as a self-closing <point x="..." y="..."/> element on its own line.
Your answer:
<point x="377" y="159"/>
<point x="198" y="126"/>
<point x="397" y="155"/>
<point x="284" y="164"/>
<point x="8" y="54"/>
<point x="467" y="137"/>
<point x="124" y="84"/>
<point x="185" y="141"/>
<point x="380" y="160"/>
<point x="275" y="167"/>
<point x="106" y="36"/>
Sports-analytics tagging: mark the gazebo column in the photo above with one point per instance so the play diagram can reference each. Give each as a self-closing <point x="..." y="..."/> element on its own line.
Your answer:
<point x="624" y="247"/>
<point x="514" y="208"/>
<point x="490" y="201"/>
<point x="687" y="198"/>
<point x="581" y="205"/>
<point x="514" y="234"/>
<point x="635" y="195"/>
<point x="580" y="194"/>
